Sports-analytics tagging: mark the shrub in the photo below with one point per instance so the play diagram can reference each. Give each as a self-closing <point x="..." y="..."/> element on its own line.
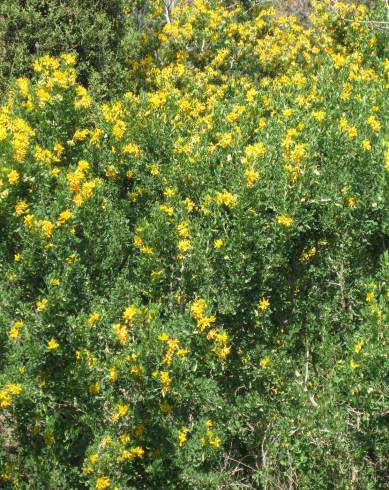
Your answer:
<point x="93" y="30"/>
<point x="194" y="285"/>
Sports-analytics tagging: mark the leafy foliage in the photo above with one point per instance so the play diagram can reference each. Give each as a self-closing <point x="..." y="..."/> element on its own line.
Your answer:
<point x="195" y="275"/>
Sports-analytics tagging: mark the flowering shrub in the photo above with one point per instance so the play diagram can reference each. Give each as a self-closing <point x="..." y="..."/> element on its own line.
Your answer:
<point x="195" y="276"/>
<point x="94" y="30"/>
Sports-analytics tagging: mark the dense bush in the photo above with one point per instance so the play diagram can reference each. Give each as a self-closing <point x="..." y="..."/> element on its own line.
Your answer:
<point x="94" y="30"/>
<point x="195" y="276"/>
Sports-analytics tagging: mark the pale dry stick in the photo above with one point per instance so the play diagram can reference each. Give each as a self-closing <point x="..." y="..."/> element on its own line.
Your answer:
<point x="306" y="369"/>
<point x="305" y="382"/>
<point x="240" y="463"/>
<point x="169" y="5"/>
<point x="340" y="275"/>
<point x="264" y="454"/>
<point x="182" y="301"/>
<point x="339" y="271"/>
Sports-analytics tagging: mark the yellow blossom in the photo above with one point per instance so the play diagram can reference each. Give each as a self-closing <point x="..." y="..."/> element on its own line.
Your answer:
<point x="113" y="374"/>
<point x="13" y="177"/>
<point x="319" y="115"/>
<point x="366" y="145"/>
<point x="93" y="318"/>
<point x="265" y="362"/>
<point x="129" y="313"/>
<point x="42" y="305"/>
<point x="63" y="217"/>
<point x="121" y="333"/>
<point x="226" y="198"/>
<point x="53" y="344"/>
<point x="184" y="245"/>
<point x="369" y="297"/>
<point x="167" y="209"/>
<point x="183" y="435"/>
<point x="94" y="388"/>
<point x="354" y="365"/>
<point x="102" y="482"/>
<point x="20" y="208"/>
<point x="251" y="177"/>
<point x="358" y="346"/>
<point x="154" y="169"/>
<point x="263" y="304"/>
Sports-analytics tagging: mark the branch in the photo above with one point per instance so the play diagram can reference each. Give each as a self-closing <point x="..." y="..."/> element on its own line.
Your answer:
<point x="375" y="23"/>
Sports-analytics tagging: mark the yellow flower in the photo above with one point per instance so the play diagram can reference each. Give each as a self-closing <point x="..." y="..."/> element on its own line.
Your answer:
<point x="13" y="333"/>
<point x="169" y="192"/>
<point x="167" y="209"/>
<point x="218" y="243"/>
<point x="132" y="149"/>
<point x="284" y="220"/>
<point x="80" y="134"/>
<point x="287" y="112"/>
<point x="53" y="344"/>
<point x="214" y="441"/>
<point x="93" y="458"/>
<point x="374" y="123"/>
<point x="130" y="313"/>
<point x="69" y="58"/>
<point x="254" y="151"/>
<point x="106" y="441"/>
<point x="47" y="227"/>
<point x="351" y="202"/>
<point x="251" y="177"/>
<point x="226" y="198"/>
<point x="354" y="365"/>
<point x="93" y="318"/>
<point x="94" y="388"/>
<point x="113" y="374"/>
<point x="137" y="370"/>
<point x="369" y="297"/>
<point x="265" y="362"/>
<point x="154" y="169"/>
<point x="352" y="132"/>
<point x="263" y="304"/>
<point x="184" y="245"/>
<point x="125" y="438"/>
<point x="358" y="346"/>
<point x="190" y="205"/>
<point x="136" y="452"/>
<point x="366" y="145"/>
<point x="122" y="410"/>
<point x="121" y="333"/>
<point x="198" y="308"/>
<point x="13" y="177"/>
<point x="42" y="305"/>
<point x="318" y="115"/>
<point x="20" y="208"/>
<point x="63" y="217"/>
<point x="56" y="281"/>
<point x="182" y="230"/>
<point x="102" y="482"/>
<point x="183" y="436"/>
